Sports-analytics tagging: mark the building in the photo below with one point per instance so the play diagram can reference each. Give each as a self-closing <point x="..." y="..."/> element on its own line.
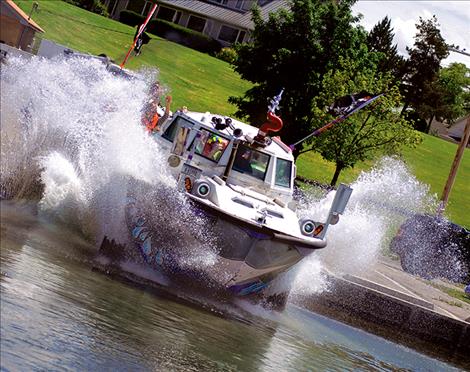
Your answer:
<point x="227" y="21"/>
<point x="17" y="29"/>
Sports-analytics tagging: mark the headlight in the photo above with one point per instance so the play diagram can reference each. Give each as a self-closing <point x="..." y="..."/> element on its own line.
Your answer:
<point x="307" y="227"/>
<point x="203" y="189"/>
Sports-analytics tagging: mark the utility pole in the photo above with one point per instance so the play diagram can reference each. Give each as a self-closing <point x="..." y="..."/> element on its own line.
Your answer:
<point x="458" y="154"/>
<point x="454" y="168"/>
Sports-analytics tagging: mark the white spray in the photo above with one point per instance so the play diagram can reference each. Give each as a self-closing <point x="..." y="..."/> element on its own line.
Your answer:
<point x="71" y="129"/>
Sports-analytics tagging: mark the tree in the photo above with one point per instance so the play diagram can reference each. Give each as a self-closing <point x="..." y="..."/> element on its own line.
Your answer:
<point x="454" y="81"/>
<point x="293" y="49"/>
<point x="380" y="40"/>
<point x="377" y="129"/>
<point x="423" y="66"/>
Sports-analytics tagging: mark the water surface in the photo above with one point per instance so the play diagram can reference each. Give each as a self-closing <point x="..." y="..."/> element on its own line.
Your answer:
<point x="57" y="313"/>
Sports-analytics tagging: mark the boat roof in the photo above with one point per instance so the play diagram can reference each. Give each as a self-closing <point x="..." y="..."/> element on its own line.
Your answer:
<point x="276" y="147"/>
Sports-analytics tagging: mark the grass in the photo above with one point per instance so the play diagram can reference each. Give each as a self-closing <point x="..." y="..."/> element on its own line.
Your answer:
<point x="196" y="80"/>
<point x="430" y="162"/>
<point x="453" y="292"/>
<point x="204" y="83"/>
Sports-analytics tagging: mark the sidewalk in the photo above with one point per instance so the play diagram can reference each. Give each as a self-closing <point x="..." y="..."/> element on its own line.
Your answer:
<point x="389" y="273"/>
<point x="393" y="304"/>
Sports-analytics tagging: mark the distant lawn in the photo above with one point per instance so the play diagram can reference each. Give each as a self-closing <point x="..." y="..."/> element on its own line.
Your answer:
<point x="197" y="80"/>
<point x="430" y="162"/>
<point x="204" y="83"/>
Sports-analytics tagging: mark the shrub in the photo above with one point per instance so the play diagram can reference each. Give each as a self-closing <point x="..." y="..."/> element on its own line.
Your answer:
<point x="173" y="32"/>
<point x="184" y="36"/>
<point x="227" y="54"/>
<point x="95" y="6"/>
<point x="131" y="18"/>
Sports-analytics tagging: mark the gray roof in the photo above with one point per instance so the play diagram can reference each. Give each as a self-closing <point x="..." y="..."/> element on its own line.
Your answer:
<point x="223" y="14"/>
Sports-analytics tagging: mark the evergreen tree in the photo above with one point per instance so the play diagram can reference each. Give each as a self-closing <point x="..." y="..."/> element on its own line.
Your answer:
<point x="380" y="40"/>
<point x="422" y="67"/>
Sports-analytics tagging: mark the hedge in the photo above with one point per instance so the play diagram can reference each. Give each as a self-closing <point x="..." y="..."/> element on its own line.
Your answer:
<point x="173" y="32"/>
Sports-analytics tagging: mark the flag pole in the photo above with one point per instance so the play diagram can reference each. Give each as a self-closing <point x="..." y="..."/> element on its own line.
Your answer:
<point x="336" y="121"/>
<point x="141" y="30"/>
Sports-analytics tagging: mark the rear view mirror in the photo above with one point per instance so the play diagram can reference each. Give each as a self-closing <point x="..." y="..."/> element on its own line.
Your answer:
<point x="341" y="199"/>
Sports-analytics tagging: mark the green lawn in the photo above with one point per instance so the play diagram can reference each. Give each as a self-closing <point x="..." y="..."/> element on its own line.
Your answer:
<point x="197" y="80"/>
<point x="204" y="83"/>
<point x="430" y="162"/>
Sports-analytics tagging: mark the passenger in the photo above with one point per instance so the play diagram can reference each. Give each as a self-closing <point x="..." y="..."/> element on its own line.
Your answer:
<point x="217" y="150"/>
<point x="150" y="111"/>
<point x="150" y="118"/>
<point x="243" y="162"/>
<point x="161" y="121"/>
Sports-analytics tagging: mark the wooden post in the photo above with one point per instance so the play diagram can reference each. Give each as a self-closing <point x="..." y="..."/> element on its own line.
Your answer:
<point x="454" y="168"/>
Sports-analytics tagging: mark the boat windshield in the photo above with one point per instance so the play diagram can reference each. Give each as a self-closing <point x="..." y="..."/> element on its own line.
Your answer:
<point x="210" y="145"/>
<point x="283" y="172"/>
<point x="252" y="162"/>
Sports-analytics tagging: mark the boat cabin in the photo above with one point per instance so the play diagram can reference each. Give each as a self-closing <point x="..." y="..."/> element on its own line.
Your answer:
<point x="224" y="147"/>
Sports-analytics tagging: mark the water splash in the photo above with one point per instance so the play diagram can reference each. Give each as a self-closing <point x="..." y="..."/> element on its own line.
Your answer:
<point x="71" y="137"/>
<point x="383" y="198"/>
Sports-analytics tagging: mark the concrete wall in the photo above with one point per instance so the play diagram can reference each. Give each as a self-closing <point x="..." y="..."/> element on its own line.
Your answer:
<point x="11" y="51"/>
<point x="391" y="317"/>
<point x="49" y="49"/>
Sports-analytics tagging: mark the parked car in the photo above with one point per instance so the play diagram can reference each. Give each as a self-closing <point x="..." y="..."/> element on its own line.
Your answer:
<point x="433" y="247"/>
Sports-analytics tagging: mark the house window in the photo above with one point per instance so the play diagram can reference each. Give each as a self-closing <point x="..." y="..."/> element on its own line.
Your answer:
<point x="263" y="2"/>
<point x="228" y="34"/>
<point x="178" y="17"/>
<point x="223" y="2"/>
<point x="166" y="14"/>
<point x="196" y="23"/>
<point x="239" y="4"/>
<point x="137" y="6"/>
<point x="241" y="36"/>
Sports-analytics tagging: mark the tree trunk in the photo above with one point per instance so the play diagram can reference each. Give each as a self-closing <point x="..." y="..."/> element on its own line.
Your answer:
<point x="295" y="154"/>
<point x="339" y="168"/>
<point x="428" y="128"/>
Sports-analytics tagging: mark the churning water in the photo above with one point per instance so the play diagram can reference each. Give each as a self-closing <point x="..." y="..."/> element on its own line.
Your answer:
<point x="71" y="137"/>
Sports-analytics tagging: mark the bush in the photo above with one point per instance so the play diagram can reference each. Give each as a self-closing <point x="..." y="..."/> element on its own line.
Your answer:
<point x="131" y="18"/>
<point x="184" y="36"/>
<point x="95" y="6"/>
<point x="227" y="54"/>
<point x="173" y="32"/>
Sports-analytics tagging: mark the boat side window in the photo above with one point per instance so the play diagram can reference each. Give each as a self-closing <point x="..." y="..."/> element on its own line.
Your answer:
<point x="210" y="145"/>
<point x="252" y="162"/>
<point x="170" y="132"/>
<point x="283" y="172"/>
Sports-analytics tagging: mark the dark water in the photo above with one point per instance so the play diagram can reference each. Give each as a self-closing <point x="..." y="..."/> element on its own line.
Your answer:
<point x="59" y="314"/>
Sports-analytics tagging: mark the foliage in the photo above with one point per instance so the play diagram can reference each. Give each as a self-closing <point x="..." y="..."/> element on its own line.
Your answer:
<point x="227" y="54"/>
<point x="451" y="89"/>
<point x="380" y="40"/>
<point x="184" y="36"/>
<point x="95" y="6"/>
<point x="423" y="66"/>
<point x="377" y="129"/>
<point x="293" y="49"/>
<point x="131" y="18"/>
<point x="173" y="32"/>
